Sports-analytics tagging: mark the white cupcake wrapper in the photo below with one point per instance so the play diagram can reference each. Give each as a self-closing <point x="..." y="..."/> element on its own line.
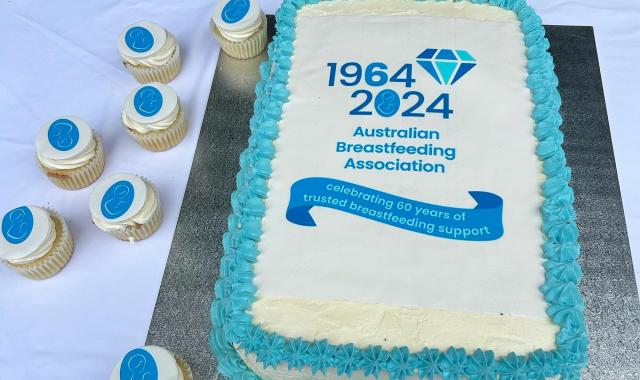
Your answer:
<point x="184" y="366"/>
<point x="142" y="231"/>
<point x="159" y="141"/>
<point x="165" y="73"/>
<point x="248" y="48"/>
<point x="74" y="179"/>
<point x="57" y="257"/>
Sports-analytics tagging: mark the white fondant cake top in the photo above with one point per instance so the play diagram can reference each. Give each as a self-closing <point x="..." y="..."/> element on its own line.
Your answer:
<point x="27" y="234"/>
<point x="117" y="198"/>
<point x="487" y="144"/>
<point x="141" y="39"/>
<point x="148" y="363"/>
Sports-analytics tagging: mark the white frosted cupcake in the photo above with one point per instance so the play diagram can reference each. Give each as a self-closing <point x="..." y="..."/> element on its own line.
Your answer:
<point x="153" y="116"/>
<point x="149" y="52"/>
<point x="241" y="27"/>
<point x="126" y="206"/>
<point x="69" y="153"/>
<point x="152" y="363"/>
<point x="35" y="242"/>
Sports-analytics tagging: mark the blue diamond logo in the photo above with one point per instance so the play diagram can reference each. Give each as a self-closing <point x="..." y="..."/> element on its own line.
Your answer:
<point x="446" y="66"/>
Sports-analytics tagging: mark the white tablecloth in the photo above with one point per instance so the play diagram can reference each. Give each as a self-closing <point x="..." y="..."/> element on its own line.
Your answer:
<point x="60" y="58"/>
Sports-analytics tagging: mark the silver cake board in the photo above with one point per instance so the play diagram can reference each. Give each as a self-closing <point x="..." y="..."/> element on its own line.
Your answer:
<point x="181" y="319"/>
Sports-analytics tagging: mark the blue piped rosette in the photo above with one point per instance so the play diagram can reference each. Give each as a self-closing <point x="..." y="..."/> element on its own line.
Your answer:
<point x="233" y="326"/>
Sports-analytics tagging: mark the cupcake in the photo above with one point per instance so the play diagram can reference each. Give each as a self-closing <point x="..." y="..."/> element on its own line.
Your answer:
<point x="126" y="206"/>
<point x="153" y="363"/>
<point x="149" y="52"/>
<point x="240" y="27"/>
<point x="69" y="153"/>
<point x="153" y="116"/>
<point x="35" y="242"/>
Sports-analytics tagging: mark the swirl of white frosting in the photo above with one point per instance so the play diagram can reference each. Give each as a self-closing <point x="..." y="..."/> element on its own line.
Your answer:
<point x="143" y="216"/>
<point x="40" y="250"/>
<point x="159" y="58"/>
<point x="152" y="126"/>
<point x="236" y="35"/>
<point x="76" y="161"/>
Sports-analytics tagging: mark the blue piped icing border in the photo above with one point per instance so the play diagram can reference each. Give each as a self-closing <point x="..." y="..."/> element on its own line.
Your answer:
<point x="235" y="292"/>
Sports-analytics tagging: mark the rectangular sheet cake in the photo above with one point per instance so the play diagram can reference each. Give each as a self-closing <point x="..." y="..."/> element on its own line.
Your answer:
<point x="403" y="208"/>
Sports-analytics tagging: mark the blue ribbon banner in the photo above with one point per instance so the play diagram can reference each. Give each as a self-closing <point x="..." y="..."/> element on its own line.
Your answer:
<point x="482" y="223"/>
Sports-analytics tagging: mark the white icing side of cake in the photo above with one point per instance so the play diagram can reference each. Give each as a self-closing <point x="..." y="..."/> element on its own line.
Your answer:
<point x="281" y="372"/>
<point x="408" y="8"/>
<point x="356" y="260"/>
<point x="393" y="326"/>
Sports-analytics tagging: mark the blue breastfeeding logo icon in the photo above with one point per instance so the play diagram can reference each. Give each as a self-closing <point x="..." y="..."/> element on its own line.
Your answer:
<point x="387" y="103"/>
<point x="139" y="39"/>
<point x="17" y="225"/>
<point x="117" y="199"/>
<point x="235" y="10"/>
<point x="147" y="101"/>
<point x="138" y="364"/>
<point x="63" y="134"/>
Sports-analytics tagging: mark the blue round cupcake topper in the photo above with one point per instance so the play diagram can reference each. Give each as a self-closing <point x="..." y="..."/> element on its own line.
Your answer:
<point x="235" y="10"/>
<point x="117" y="199"/>
<point x="138" y="364"/>
<point x="147" y="101"/>
<point x="139" y="39"/>
<point x="63" y="134"/>
<point x="17" y="225"/>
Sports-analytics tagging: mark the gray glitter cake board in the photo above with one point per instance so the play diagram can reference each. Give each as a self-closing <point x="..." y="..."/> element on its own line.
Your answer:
<point x="181" y="318"/>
